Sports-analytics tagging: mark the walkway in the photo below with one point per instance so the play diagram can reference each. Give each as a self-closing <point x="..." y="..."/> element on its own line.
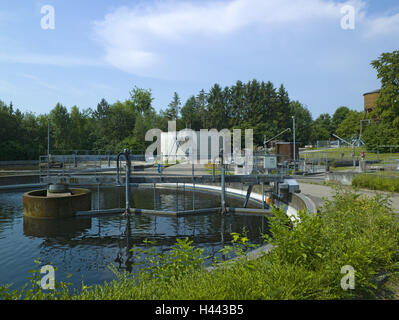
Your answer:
<point x="186" y="169"/>
<point x="316" y="192"/>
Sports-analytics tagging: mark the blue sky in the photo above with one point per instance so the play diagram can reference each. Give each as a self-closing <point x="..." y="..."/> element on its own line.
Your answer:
<point x="102" y="49"/>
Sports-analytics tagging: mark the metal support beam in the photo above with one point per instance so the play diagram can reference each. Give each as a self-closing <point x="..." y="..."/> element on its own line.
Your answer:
<point x="249" y="191"/>
<point x="246" y="211"/>
<point x="126" y="153"/>
<point x="263" y="195"/>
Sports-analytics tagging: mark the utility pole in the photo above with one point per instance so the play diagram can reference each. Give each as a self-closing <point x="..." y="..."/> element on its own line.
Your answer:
<point x="48" y="138"/>
<point x="293" y="134"/>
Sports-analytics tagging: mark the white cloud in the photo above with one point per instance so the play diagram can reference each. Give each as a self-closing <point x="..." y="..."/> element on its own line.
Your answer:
<point x="142" y="39"/>
<point x="380" y="26"/>
<point x="167" y="39"/>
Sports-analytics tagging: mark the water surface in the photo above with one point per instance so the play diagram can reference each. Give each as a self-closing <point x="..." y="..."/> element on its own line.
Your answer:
<point x="85" y="247"/>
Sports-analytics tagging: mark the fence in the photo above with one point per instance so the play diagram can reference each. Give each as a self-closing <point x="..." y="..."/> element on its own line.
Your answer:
<point x="89" y="164"/>
<point x="19" y="163"/>
<point x="328" y="144"/>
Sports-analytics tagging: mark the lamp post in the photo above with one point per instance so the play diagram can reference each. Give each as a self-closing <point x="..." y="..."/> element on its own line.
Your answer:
<point x="48" y="137"/>
<point x="294" y="146"/>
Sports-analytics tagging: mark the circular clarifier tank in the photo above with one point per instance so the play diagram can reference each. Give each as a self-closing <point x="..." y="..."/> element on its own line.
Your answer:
<point x="58" y="201"/>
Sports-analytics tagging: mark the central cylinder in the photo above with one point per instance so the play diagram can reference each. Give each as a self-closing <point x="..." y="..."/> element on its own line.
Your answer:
<point x="37" y="204"/>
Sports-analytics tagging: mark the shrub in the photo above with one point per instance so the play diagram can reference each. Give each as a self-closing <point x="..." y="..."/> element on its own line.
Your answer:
<point x="349" y="230"/>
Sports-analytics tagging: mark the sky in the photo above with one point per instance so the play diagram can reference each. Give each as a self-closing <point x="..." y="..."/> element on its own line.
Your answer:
<point x="78" y="52"/>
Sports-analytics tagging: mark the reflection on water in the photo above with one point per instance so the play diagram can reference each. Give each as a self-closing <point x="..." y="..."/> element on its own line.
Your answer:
<point x="85" y="247"/>
<point x="48" y="228"/>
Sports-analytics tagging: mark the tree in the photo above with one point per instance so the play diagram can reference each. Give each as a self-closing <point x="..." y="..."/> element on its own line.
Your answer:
<point x="81" y="129"/>
<point x="141" y="100"/>
<point x="350" y="127"/>
<point x="303" y="122"/>
<point x="321" y="128"/>
<point x="201" y="99"/>
<point x="191" y="115"/>
<point x="386" y="130"/>
<point x="378" y="134"/>
<point x="135" y="141"/>
<point x="237" y="96"/>
<point x="269" y="124"/>
<point x="102" y="110"/>
<point x="282" y="109"/>
<point x="173" y="110"/>
<point x="112" y="127"/>
<point x="60" y="128"/>
<point x="217" y="117"/>
<point x="387" y="106"/>
<point x="339" y="115"/>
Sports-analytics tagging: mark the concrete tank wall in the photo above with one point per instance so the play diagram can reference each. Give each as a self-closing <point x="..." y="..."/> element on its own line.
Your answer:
<point x="37" y="205"/>
<point x="19" y="179"/>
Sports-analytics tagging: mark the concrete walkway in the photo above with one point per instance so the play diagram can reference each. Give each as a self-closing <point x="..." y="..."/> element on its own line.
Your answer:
<point x="317" y="191"/>
<point x="186" y="169"/>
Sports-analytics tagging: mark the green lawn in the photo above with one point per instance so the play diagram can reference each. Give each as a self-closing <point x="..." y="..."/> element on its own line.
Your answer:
<point x="336" y="153"/>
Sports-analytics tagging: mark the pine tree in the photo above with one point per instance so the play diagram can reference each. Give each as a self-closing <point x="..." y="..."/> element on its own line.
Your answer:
<point x="173" y="110"/>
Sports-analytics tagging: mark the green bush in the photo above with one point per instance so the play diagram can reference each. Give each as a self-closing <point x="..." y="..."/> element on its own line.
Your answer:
<point x="349" y="230"/>
<point x="305" y="262"/>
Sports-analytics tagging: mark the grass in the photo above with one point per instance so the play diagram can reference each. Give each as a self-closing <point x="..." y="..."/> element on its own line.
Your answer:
<point x="376" y="182"/>
<point x="392" y="174"/>
<point x="336" y="153"/>
<point x="305" y="263"/>
<point x="334" y="169"/>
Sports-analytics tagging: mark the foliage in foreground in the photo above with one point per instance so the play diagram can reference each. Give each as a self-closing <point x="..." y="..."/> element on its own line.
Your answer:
<point x="305" y="262"/>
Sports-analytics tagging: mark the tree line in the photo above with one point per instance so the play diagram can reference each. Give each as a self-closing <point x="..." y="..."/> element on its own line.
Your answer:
<point x="268" y="110"/>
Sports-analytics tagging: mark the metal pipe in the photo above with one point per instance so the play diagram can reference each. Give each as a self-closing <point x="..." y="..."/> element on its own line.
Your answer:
<point x="248" y="195"/>
<point x="263" y="195"/>
<point x="223" y="185"/>
<point x="198" y="211"/>
<point x="126" y="153"/>
<point x="48" y="137"/>
<point x="127" y="188"/>
<point x="117" y="166"/>
<point x="98" y="197"/>
<point x="48" y="147"/>
<point x="249" y="211"/>
<point x="266" y="142"/>
<point x="293" y="127"/>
